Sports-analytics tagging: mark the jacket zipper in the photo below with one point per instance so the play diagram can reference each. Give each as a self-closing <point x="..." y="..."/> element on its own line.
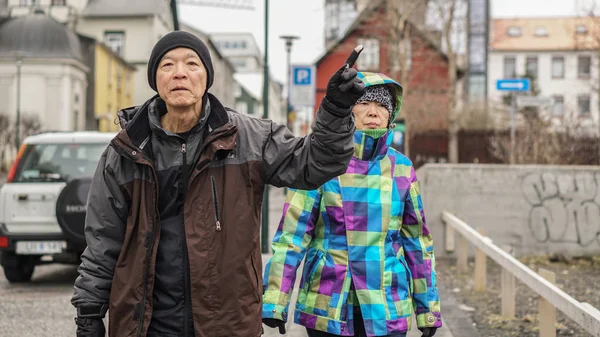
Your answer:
<point x="151" y="247"/>
<point x="186" y="264"/>
<point x="149" y="254"/>
<point x="215" y="203"/>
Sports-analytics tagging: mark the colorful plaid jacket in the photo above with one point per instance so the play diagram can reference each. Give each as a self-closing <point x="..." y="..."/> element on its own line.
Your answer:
<point x="364" y="229"/>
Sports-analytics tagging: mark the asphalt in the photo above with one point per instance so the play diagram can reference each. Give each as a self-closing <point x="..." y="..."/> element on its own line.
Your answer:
<point x="454" y="321"/>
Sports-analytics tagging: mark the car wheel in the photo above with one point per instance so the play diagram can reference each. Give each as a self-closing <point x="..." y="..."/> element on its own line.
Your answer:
<point x="71" y="210"/>
<point x="20" y="273"/>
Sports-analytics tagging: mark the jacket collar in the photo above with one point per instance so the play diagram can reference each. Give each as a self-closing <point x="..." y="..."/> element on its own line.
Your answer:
<point x="135" y="121"/>
<point x="367" y="148"/>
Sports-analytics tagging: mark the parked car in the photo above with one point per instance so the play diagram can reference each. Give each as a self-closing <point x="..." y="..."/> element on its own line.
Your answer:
<point x="42" y="203"/>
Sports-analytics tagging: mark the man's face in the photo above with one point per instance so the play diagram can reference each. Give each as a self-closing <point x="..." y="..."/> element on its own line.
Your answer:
<point x="370" y="115"/>
<point x="181" y="78"/>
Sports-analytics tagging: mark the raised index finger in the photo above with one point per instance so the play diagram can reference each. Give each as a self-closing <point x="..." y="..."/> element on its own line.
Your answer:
<point x="354" y="55"/>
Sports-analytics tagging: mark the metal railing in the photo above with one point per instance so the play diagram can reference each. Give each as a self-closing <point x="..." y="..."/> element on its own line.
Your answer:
<point x="552" y="297"/>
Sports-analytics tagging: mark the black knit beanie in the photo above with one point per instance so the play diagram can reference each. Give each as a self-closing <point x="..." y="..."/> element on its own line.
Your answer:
<point x="174" y="40"/>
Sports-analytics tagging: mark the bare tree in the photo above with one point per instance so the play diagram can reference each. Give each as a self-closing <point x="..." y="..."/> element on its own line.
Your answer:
<point x="541" y="141"/>
<point x="29" y="125"/>
<point x="452" y="17"/>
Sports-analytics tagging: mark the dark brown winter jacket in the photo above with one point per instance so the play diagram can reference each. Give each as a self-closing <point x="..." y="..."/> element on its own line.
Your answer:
<point x="237" y="156"/>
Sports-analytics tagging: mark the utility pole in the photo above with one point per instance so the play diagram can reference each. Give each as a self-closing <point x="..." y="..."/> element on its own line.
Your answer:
<point x="264" y="240"/>
<point x="289" y="41"/>
<point x="18" y="119"/>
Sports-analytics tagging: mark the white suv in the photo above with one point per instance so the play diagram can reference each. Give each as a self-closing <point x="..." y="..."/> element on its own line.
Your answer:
<point x="42" y="203"/>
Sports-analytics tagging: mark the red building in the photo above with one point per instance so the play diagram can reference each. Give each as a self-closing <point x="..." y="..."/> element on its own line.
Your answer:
<point x="425" y="79"/>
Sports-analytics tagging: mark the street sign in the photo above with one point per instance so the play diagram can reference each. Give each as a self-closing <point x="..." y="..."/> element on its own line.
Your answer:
<point x="533" y="101"/>
<point x="516" y="84"/>
<point x="302" y="88"/>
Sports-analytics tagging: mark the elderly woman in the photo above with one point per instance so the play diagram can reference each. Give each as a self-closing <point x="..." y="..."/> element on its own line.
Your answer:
<point x="368" y="254"/>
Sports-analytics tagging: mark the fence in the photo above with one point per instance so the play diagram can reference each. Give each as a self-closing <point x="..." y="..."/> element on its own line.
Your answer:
<point x="552" y="297"/>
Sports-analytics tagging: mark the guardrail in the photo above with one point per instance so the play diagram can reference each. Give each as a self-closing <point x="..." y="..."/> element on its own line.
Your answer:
<point x="552" y="297"/>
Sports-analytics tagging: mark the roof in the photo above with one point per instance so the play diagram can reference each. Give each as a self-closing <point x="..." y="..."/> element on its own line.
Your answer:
<point x="561" y="34"/>
<point x="70" y="137"/>
<point x="112" y="8"/>
<point x="39" y="36"/>
<point x="371" y="8"/>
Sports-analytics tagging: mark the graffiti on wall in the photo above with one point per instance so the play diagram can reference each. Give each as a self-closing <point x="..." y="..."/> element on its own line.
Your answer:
<point x="565" y="207"/>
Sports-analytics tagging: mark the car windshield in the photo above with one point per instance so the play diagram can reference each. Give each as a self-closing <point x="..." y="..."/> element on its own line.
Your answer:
<point x="58" y="162"/>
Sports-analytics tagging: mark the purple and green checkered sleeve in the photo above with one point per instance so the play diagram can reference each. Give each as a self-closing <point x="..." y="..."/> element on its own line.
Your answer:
<point x="294" y="234"/>
<point x="418" y="252"/>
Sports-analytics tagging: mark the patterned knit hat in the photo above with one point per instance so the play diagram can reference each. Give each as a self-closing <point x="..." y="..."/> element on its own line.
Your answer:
<point x="379" y="94"/>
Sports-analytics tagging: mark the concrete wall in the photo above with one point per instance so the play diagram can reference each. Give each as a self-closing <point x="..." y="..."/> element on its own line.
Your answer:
<point x="535" y="209"/>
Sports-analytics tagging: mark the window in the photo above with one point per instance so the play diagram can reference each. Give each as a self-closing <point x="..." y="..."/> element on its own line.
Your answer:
<point x="583" y="103"/>
<point x="558" y="108"/>
<point x="531" y="66"/>
<point x="243" y="44"/>
<point x="581" y="29"/>
<point x="59" y="2"/>
<point x="115" y="41"/>
<point x="58" y="162"/>
<point x="28" y="2"/>
<point x="541" y="31"/>
<point x="584" y="64"/>
<point x="510" y="67"/>
<point x="558" y="67"/>
<point x="237" y="90"/>
<point x="369" y="58"/>
<point x="513" y="31"/>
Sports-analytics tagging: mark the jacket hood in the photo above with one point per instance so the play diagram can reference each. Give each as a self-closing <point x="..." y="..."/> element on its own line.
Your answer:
<point x="372" y="79"/>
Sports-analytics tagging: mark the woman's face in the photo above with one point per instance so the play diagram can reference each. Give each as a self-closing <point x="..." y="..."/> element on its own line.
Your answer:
<point x="370" y="115"/>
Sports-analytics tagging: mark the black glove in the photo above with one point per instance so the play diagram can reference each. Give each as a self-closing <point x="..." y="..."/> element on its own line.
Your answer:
<point x="273" y="323"/>
<point x="344" y="87"/>
<point x="428" y="332"/>
<point x="90" y="327"/>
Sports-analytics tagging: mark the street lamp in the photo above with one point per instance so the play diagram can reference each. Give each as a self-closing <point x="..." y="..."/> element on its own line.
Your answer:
<point x="289" y="40"/>
<point x="18" y="103"/>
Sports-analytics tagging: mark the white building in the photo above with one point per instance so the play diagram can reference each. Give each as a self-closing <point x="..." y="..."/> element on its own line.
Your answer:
<point x="241" y="49"/>
<point x="223" y="86"/>
<point x="243" y="52"/>
<point x="560" y="53"/>
<point x="52" y="73"/>
<point x="130" y="28"/>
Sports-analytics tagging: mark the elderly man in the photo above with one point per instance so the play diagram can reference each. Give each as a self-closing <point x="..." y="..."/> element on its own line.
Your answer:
<point x="173" y="212"/>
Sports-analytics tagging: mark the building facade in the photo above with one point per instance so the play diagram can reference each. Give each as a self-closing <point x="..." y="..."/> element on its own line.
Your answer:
<point x="42" y="73"/>
<point x="242" y="51"/>
<point x="560" y="54"/>
<point x="224" y="83"/>
<point x="130" y="28"/>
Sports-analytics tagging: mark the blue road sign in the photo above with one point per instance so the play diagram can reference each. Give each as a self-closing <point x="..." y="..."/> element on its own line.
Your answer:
<point x="303" y="88"/>
<point x="515" y="84"/>
<point x="303" y="75"/>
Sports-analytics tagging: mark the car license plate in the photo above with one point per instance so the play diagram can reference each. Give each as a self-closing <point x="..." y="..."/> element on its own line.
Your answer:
<point x="40" y="247"/>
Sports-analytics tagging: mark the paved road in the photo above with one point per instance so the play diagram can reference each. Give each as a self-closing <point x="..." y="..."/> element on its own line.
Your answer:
<point x="42" y="308"/>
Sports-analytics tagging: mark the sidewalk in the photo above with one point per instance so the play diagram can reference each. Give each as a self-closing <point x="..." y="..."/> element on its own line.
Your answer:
<point x="276" y="200"/>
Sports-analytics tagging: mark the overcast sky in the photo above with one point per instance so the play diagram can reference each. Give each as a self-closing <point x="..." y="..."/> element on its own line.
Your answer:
<point x="305" y="18"/>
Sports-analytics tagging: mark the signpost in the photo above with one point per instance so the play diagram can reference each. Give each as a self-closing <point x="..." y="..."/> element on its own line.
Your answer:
<point x="533" y="101"/>
<point x="303" y="86"/>
<point x="513" y="85"/>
